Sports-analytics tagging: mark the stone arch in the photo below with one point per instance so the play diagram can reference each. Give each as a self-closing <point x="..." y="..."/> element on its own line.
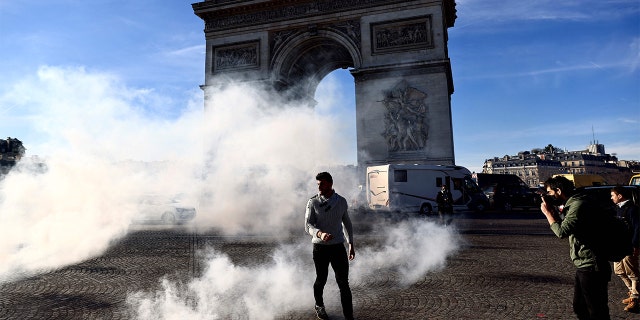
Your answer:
<point x="396" y="51"/>
<point x="302" y="61"/>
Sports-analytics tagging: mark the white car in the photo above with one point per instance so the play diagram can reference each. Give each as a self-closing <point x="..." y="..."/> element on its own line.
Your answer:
<point x="158" y="209"/>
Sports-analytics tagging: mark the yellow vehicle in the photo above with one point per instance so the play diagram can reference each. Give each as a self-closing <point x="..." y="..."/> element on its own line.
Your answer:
<point x="584" y="180"/>
<point x="635" y="180"/>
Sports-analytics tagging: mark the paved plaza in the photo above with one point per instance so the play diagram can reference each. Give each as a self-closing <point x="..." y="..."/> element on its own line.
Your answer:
<point x="509" y="266"/>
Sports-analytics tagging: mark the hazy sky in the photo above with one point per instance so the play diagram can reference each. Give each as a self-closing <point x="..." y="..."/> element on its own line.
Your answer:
<point x="526" y="74"/>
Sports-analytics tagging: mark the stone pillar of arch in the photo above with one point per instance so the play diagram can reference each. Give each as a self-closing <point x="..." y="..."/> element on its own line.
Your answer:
<point x="396" y="51"/>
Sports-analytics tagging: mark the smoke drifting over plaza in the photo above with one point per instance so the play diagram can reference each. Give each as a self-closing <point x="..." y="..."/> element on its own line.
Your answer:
<point x="247" y="161"/>
<point x="228" y="291"/>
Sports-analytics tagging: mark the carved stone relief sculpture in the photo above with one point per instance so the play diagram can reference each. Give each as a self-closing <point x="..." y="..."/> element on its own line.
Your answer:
<point x="236" y="57"/>
<point x="401" y="35"/>
<point x="405" y="118"/>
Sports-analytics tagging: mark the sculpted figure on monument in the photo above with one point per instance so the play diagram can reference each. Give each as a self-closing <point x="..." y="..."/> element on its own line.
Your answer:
<point x="405" y="119"/>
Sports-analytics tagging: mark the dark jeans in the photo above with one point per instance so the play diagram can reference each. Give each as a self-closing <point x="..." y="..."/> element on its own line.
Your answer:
<point x="591" y="296"/>
<point x="336" y="255"/>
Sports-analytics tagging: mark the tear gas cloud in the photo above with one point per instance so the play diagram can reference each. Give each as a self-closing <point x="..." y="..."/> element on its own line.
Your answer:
<point x="226" y="291"/>
<point x="105" y="146"/>
<point x="94" y="138"/>
<point x="247" y="161"/>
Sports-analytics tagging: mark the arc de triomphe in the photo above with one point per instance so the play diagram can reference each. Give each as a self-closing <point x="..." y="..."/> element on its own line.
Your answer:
<point x="396" y="51"/>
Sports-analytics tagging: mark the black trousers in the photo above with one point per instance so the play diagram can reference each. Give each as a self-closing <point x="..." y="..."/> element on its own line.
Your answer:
<point x="336" y="255"/>
<point x="591" y="296"/>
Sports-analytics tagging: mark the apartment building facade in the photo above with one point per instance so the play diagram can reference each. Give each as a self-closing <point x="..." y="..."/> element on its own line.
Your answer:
<point x="535" y="167"/>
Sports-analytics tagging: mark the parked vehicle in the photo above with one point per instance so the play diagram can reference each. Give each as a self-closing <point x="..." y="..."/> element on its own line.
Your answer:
<point x="635" y="180"/>
<point x="584" y="180"/>
<point x="413" y="187"/>
<point x="165" y="210"/>
<point x="602" y="194"/>
<point x="506" y="191"/>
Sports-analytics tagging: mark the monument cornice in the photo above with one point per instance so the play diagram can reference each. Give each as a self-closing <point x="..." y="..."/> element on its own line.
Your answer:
<point x="405" y="69"/>
<point x="221" y="14"/>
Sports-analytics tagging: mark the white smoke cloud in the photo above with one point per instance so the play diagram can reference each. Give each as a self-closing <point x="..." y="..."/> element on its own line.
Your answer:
<point x="229" y="291"/>
<point x="89" y="128"/>
<point x="247" y="161"/>
<point x="410" y="249"/>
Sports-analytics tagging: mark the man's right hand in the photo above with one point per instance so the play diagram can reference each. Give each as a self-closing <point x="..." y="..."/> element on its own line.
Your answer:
<point x="325" y="236"/>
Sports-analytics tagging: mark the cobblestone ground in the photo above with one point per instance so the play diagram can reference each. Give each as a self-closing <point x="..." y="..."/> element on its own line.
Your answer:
<point x="509" y="267"/>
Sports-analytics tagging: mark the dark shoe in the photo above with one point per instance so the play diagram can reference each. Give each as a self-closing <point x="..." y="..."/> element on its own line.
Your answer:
<point x="321" y="313"/>
<point x="632" y="306"/>
<point x="627" y="300"/>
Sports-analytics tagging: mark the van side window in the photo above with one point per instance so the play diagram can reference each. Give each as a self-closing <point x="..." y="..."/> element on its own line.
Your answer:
<point x="400" y="176"/>
<point x="438" y="182"/>
<point x="457" y="184"/>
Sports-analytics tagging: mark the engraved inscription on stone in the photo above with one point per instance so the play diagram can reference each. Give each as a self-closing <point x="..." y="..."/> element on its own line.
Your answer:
<point x="401" y="35"/>
<point x="405" y="118"/>
<point x="239" y="56"/>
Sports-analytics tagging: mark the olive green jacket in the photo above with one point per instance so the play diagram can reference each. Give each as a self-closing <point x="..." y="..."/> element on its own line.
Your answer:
<point x="580" y="224"/>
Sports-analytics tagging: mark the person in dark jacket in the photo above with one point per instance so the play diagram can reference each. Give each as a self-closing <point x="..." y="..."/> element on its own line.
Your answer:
<point x="571" y="215"/>
<point x="444" y="199"/>
<point x="627" y="269"/>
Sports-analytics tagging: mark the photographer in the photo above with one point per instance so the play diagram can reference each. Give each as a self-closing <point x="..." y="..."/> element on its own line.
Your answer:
<point x="590" y="296"/>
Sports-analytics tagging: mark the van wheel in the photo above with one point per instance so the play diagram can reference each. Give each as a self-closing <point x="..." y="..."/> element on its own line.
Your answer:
<point x="507" y="207"/>
<point x="426" y="209"/>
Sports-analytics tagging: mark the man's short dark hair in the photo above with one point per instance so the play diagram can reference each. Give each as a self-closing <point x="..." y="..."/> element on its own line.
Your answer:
<point x="625" y="192"/>
<point x="324" y="176"/>
<point x="562" y="183"/>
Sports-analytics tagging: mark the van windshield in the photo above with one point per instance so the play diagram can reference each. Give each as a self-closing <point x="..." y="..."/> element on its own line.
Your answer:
<point x="471" y="186"/>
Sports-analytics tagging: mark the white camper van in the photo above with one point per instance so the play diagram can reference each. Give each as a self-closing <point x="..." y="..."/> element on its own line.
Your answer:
<point x="413" y="187"/>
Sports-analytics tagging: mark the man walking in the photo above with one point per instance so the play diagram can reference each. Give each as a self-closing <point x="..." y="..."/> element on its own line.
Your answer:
<point x="326" y="220"/>
<point x="580" y="224"/>
<point x="627" y="269"/>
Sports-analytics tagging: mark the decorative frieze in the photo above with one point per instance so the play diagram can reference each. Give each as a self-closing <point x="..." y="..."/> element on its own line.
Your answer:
<point x="401" y="35"/>
<point x="237" y="56"/>
<point x="279" y="11"/>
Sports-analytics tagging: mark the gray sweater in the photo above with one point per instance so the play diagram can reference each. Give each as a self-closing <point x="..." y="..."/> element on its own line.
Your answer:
<point x="328" y="215"/>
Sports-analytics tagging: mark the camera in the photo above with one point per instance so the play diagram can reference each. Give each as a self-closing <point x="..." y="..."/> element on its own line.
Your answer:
<point x="548" y="199"/>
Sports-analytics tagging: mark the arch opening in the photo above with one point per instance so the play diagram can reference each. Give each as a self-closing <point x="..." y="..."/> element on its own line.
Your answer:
<point x="306" y="64"/>
<point x="335" y="98"/>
